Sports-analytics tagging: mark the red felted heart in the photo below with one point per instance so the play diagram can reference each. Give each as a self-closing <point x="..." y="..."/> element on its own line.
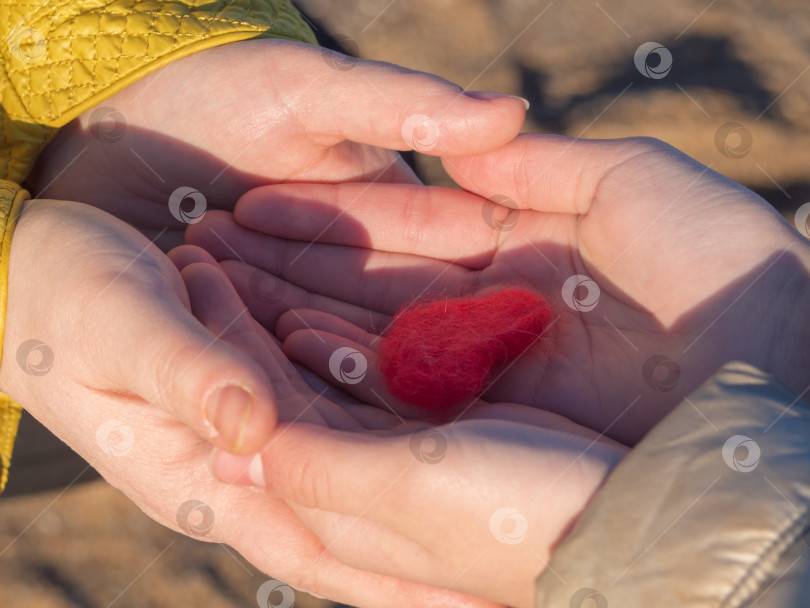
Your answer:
<point x="440" y="353"/>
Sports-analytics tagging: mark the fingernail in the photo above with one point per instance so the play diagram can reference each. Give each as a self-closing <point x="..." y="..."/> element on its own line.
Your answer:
<point x="236" y="470"/>
<point x="488" y="95"/>
<point x="228" y="411"/>
<point x="256" y="471"/>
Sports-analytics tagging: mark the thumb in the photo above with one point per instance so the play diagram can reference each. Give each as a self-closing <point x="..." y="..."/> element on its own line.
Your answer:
<point x="324" y="469"/>
<point x="384" y="105"/>
<point x="162" y="353"/>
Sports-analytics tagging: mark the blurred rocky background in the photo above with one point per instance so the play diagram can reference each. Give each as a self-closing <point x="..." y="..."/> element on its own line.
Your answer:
<point x="736" y="97"/>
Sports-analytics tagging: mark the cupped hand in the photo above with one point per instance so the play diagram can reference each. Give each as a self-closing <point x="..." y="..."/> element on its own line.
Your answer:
<point x="101" y="346"/>
<point x="476" y="506"/>
<point x="659" y="269"/>
<point x="431" y="499"/>
<point x="98" y="315"/>
<point x="227" y="119"/>
<point x="548" y="466"/>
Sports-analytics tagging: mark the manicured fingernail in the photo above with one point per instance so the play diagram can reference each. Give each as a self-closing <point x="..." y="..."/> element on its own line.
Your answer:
<point x="228" y="411"/>
<point x="236" y="470"/>
<point x="487" y="95"/>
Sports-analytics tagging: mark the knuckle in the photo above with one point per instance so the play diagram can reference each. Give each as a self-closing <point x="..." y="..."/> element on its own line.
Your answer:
<point x="641" y="144"/>
<point x="299" y="475"/>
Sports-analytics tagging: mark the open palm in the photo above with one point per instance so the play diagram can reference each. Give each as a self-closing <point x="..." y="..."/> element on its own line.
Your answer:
<point x="659" y="269"/>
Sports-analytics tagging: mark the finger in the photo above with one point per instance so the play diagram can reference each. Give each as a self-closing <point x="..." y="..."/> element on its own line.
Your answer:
<point x="251" y="523"/>
<point x="268" y="297"/>
<point x="185" y="255"/>
<point x="544" y="172"/>
<point x="563" y="174"/>
<point x="440" y="119"/>
<point x="377" y="281"/>
<point x="311" y="466"/>
<point x="388" y="411"/>
<point x="303" y="318"/>
<point x="439" y="223"/>
<point x="302" y="395"/>
<point x="159" y="351"/>
<point x="219" y="308"/>
<point x="353" y="368"/>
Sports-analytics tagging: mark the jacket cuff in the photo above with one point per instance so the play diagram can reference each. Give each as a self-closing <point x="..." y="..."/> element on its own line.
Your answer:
<point x="60" y="59"/>
<point x="12" y="197"/>
<point x="708" y="510"/>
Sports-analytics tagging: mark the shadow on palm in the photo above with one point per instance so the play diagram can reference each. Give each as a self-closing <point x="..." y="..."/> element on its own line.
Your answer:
<point x="618" y="357"/>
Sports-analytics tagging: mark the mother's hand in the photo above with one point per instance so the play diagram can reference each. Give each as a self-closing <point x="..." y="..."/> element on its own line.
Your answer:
<point x="101" y="347"/>
<point x="230" y="118"/>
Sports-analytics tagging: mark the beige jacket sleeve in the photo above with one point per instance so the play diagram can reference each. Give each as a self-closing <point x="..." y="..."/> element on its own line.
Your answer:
<point x="711" y="509"/>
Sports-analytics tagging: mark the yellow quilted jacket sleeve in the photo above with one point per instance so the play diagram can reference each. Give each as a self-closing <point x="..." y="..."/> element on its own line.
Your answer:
<point x="61" y="57"/>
